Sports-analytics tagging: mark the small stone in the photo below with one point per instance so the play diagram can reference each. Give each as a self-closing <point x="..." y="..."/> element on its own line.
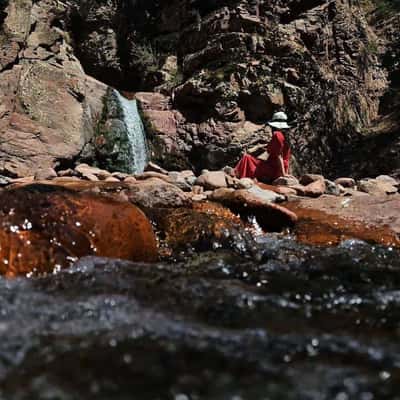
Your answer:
<point x="197" y="189"/>
<point x="231" y="181"/>
<point x="286" y="181"/>
<point x="4" y="180"/>
<point x="45" y="174"/>
<point x="102" y="174"/>
<point x="212" y="180"/>
<point x="112" y="179"/>
<point x="332" y="188"/>
<point x="387" y="179"/>
<point x="130" y="180"/>
<point x="66" y="172"/>
<point x="229" y="171"/>
<point x="152" y="193"/>
<point x="187" y="173"/>
<point x="199" y="197"/>
<point x="265" y="195"/>
<point x="150" y="174"/>
<point x="245" y="183"/>
<point x="153" y="167"/>
<point x="310" y="178"/>
<point x="315" y="189"/>
<point x="221" y="194"/>
<point x="90" y="177"/>
<point x="376" y="187"/>
<point x="120" y="175"/>
<point x="181" y="180"/>
<point x="348" y="183"/>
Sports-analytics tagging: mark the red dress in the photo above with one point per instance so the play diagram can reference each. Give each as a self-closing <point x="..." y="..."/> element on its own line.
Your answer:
<point x="269" y="170"/>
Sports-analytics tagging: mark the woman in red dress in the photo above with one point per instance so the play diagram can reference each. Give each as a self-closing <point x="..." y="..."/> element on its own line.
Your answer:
<point x="278" y="160"/>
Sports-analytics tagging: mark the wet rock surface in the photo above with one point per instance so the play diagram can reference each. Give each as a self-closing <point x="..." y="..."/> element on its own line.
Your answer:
<point x="45" y="228"/>
<point x="294" y="322"/>
<point x="327" y="220"/>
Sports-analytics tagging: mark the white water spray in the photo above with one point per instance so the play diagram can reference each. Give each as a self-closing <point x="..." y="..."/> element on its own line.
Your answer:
<point x="135" y="133"/>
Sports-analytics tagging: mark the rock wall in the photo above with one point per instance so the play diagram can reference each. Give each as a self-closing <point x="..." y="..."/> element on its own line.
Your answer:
<point x="210" y="73"/>
<point x="47" y="103"/>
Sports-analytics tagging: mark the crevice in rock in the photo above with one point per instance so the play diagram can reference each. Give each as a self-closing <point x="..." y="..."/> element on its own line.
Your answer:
<point x="299" y="7"/>
<point x="3" y="13"/>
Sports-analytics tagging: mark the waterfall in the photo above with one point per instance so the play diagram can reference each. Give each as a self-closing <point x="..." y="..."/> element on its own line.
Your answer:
<point x="136" y="134"/>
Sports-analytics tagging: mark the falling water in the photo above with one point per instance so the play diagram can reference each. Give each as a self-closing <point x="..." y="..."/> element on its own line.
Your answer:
<point x="135" y="133"/>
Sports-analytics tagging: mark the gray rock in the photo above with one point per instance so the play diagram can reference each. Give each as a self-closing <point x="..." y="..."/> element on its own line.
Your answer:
<point x="376" y="187"/>
<point x="387" y="179"/>
<point x="286" y="181"/>
<point x="45" y="174"/>
<point x="212" y="180"/>
<point x="266" y="195"/>
<point x="245" y="183"/>
<point x="332" y="188"/>
<point x="348" y="183"/>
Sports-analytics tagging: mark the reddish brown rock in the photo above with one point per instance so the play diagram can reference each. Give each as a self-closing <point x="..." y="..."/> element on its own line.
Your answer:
<point x="346" y="182"/>
<point x="329" y="220"/>
<point x="269" y="215"/>
<point x="310" y="178"/>
<point x="314" y="189"/>
<point x="205" y="226"/>
<point x="153" y="167"/>
<point x="130" y="180"/>
<point x="60" y="226"/>
<point x="153" y="174"/>
<point x="111" y="179"/>
<point x="283" y="190"/>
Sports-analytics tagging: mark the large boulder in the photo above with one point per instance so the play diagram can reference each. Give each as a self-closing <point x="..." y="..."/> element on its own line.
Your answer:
<point x="49" y="105"/>
<point x="258" y="203"/>
<point x="212" y="180"/>
<point x="329" y="220"/>
<point x="60" y="226"/>
<point x="156" y="193"/>
<point x="377" y="186"/>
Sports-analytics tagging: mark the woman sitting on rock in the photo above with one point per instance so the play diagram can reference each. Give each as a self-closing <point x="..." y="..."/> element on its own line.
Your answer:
<point x="277" y="164"/>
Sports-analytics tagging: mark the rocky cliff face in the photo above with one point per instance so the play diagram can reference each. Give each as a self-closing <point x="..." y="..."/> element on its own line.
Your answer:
<point x="210" y="74"/>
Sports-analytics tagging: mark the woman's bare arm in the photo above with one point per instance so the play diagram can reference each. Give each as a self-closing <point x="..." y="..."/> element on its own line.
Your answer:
<point x="282" y="166"/>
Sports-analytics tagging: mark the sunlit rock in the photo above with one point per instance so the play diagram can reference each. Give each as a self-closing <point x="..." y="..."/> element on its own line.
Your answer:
<point x="258" y="203"/>
<point x="44" y="228"/>
<point x="329" y="220"/>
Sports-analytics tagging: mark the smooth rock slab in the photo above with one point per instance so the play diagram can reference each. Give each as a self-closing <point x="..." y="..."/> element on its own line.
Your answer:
<point x="270" y="216"/>
<point x="45" y="227"/>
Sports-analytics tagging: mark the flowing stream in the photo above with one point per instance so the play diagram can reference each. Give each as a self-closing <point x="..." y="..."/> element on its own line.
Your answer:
<point x="136" y="133"/>
<point x="289" y="322"/>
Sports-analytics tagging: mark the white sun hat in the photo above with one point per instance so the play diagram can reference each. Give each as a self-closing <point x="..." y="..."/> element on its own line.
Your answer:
<point x="279" y="121"/>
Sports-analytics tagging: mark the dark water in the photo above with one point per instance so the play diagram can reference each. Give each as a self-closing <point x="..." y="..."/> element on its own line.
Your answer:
<point x="292" y="322"/>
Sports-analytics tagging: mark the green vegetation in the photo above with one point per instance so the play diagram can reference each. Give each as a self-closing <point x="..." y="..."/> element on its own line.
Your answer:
<point x="372" y="47"/>
<point x="386" y="7"/>
<point x="145" y="58"/>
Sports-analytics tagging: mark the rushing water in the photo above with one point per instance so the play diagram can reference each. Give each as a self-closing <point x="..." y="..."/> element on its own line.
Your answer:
<point x="136" y="133"/>
<point x="289" y="322"/>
